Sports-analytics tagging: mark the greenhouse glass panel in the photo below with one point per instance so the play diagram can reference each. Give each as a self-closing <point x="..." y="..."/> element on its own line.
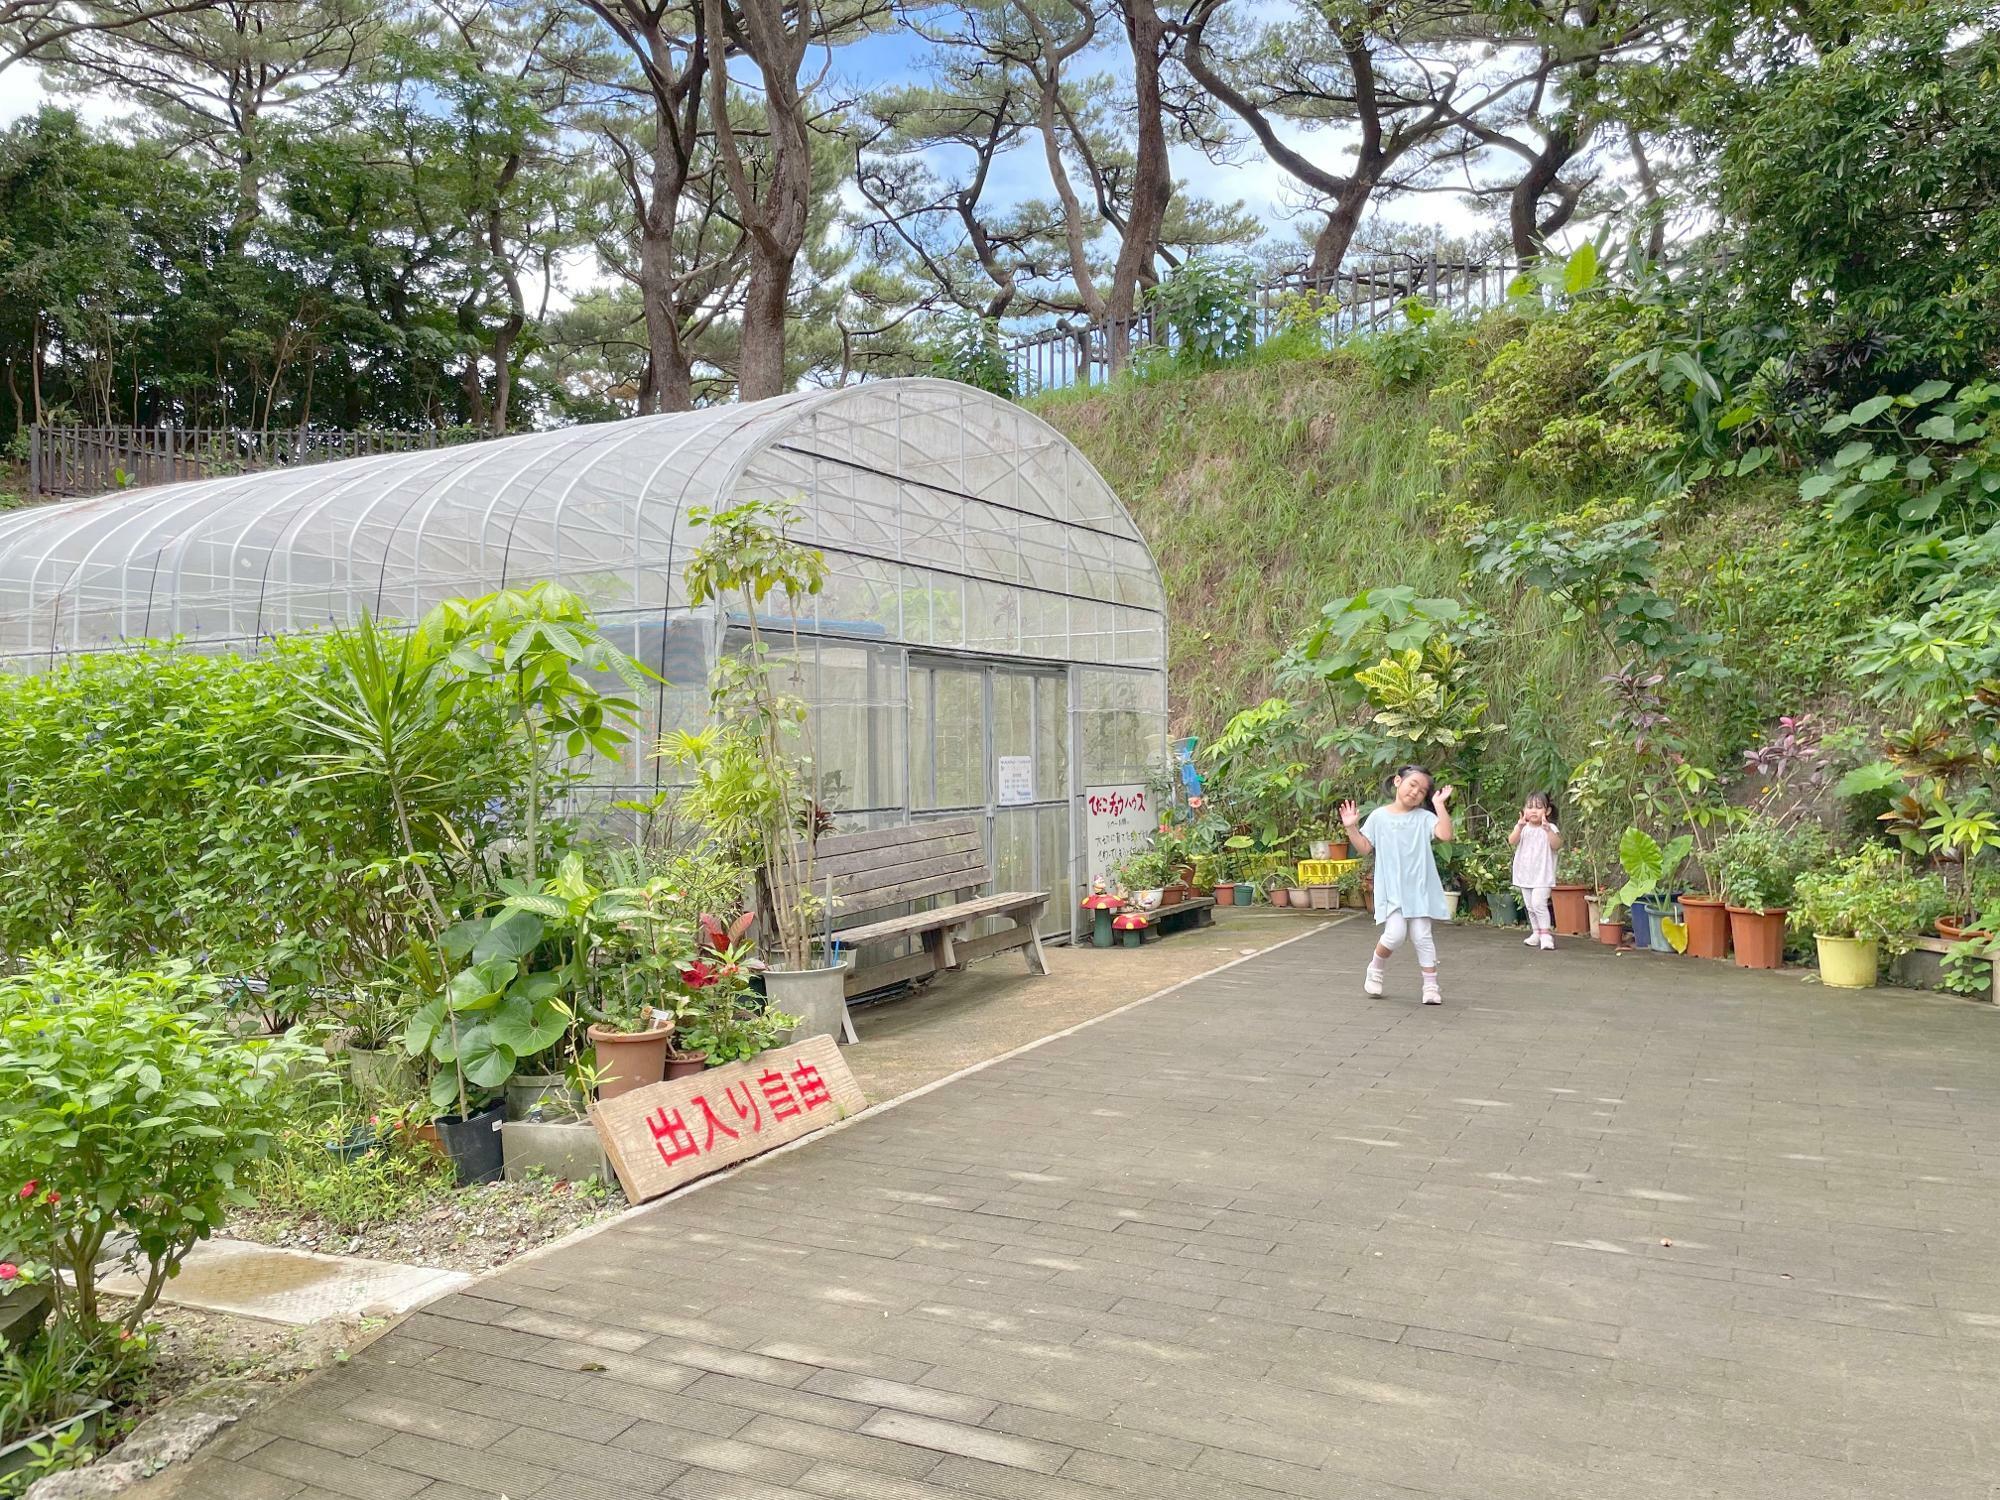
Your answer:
<point x="987" y="595"/>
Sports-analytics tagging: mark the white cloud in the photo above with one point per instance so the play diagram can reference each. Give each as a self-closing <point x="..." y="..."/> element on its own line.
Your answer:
<point x="22" y="92"/>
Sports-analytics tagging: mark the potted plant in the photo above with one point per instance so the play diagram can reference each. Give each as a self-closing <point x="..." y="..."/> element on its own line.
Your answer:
<point x="1146" y="875"/>
<point x="1569" y="904"/>
<point x="753" y="789"/>
<point x="1863" y="904"/>
<point x="1299" y="896"/>
<point x="1610" y="925"/>
<point x="1757" y="864"/>
<point x="1707" y="818"/>
<point x="1648" y="870"/>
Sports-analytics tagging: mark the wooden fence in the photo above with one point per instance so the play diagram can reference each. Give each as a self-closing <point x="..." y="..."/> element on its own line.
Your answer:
<point x="66" y="463"/>
<point x="1356" y="299"/>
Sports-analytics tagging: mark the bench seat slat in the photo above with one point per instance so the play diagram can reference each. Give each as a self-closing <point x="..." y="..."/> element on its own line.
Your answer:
<point x="958" y="913"/>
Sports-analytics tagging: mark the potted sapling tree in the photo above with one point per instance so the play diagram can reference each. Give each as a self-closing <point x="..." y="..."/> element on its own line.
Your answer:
<point x="755" y="788"/>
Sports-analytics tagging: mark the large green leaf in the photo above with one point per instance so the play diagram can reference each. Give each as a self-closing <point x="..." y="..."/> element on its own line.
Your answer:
<point x="512" y="934"/>
<point x="526" y="1028"/>
<point x="486" y="1062"/>
<point x="481" y="986"/>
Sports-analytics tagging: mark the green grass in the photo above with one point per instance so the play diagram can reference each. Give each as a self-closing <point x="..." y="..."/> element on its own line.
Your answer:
<point x="1269" y="487"/>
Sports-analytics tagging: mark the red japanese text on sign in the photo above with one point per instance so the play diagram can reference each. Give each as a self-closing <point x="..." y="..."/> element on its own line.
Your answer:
<point x="666" y="1134"/>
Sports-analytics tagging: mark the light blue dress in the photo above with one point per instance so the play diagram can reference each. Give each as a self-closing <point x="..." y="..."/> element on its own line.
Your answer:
<point x="1406" y="873"/>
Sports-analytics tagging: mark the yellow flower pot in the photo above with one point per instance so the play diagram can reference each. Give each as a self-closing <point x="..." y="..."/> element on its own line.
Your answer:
<point x="1847" y="963"/>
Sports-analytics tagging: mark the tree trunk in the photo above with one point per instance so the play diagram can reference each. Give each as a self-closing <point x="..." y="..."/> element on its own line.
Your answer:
<point x="760" y="366"/>
<point x="1152" y="178"/>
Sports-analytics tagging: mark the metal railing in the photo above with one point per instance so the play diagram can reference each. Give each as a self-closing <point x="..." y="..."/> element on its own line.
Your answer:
<point x="74" y="462"/>
<point x="1358" y="299"/>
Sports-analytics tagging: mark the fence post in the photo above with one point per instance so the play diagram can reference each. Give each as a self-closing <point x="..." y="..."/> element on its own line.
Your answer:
<point x="35" y="462"/>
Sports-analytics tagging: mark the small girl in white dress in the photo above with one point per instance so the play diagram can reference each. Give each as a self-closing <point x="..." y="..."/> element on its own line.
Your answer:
<point x="1409" y="896"/>
<point x="1535" y="839"/>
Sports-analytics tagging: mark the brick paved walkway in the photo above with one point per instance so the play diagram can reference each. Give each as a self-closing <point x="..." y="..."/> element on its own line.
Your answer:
<point x="1266" y="1237"/>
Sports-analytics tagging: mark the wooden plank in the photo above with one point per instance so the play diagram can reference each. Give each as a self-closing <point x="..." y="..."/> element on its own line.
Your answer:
<point x="889" y="872"/>
<point x="888" y="838"/>
<point x="894" y="971"/>
<point x="957" y="914"/>
<point x="899" y="885"/>
<point x="864" y="861"/>
<point x="1020" y="935"/>
<point x="667" y="1134"/>
<point x="910" y="890"/>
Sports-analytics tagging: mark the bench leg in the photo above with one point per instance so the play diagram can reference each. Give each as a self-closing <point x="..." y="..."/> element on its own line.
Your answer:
<point x="944" y="954"/>
<point x="1038" y="961"/>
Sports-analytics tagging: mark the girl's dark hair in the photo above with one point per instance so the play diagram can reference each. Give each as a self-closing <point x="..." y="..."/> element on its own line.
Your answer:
<point x="1544" y="799"/>
<point x="1401" y="771"/>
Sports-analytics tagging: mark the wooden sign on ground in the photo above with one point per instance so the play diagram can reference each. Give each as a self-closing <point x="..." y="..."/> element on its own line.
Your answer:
<point x="666" y="1134"/>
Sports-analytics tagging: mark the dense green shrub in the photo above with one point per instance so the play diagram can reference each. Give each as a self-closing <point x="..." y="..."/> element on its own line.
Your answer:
<point x="167" y="802"/>
<point x="127" y="1107"/>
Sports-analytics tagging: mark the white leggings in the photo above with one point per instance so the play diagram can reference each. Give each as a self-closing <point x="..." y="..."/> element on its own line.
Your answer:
<point x="1398" y="925"/>
<point x="1538" y="907"/>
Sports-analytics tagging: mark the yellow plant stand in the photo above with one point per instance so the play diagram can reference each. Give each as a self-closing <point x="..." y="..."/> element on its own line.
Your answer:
<point x="1325" y="871"/>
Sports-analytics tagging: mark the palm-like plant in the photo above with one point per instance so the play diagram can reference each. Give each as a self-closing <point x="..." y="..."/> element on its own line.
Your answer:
<point x="386" y="714"/>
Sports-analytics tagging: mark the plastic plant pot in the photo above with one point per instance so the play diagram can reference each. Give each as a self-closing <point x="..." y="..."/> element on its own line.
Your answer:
<point x="1225" y="893"/>
<point x="473" y="1144"/>
<point x="1847" y="963"/>
<point x="1708" y="926"/>
<point x="1758" y="937"/>
<point x="1569" y="909"/>
<point x="1246" y="893"/>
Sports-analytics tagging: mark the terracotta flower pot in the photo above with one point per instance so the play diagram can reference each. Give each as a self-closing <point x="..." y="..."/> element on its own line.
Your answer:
<point x="1225" y="893"/>
<point x="1338" y="849"/>
<point x="628" y="1060"/>
<point x="1568" y="910"/>
<point x="1707" y="926"/>
<point x="1280" y="896"/>
<point x="1758" y="937"/>
<point x="1611" y="934"/>
<point x="1952" y="930"/>
<point x="686" y="1067"/>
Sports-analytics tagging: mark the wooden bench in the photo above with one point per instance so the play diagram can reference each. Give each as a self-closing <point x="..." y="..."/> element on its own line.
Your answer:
<point x="917" y="863"/>
<point x="1196" y="911"/>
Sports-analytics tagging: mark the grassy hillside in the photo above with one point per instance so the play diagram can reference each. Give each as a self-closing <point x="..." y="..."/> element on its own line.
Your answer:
<point x="1270" y="487"/>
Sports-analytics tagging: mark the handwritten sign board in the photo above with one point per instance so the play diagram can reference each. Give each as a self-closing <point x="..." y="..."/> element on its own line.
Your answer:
<point x="667" y="1134"/>
<point x="1014" y="780"/>
<point x="1117" y="821"/>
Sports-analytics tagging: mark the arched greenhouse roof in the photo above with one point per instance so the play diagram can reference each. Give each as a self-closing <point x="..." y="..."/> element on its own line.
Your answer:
<point x="949" y="517"/>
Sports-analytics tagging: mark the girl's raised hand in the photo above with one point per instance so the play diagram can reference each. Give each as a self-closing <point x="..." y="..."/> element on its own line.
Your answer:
<point x="1442" y="796"/>
<point x="1349" y="814"/>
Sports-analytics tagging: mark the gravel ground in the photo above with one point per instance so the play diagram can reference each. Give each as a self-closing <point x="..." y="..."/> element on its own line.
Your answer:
<point x="474" y="1229"/>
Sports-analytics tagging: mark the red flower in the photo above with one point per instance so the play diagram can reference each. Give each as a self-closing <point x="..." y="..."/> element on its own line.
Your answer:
<point x="53" y="1198"/>
<point x="8" y="1270"/>
<point x="29" y="1188"/>
<point x="698" y="975"/>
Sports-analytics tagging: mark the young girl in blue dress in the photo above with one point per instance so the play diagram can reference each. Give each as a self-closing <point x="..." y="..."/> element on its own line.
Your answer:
<point x="1409" y="896"/>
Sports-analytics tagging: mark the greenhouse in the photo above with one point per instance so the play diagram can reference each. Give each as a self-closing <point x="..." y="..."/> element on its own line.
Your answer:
<point x="992" y="637"/>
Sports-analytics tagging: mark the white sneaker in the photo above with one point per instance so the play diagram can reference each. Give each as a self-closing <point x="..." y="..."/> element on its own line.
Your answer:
<point x="1432" y="995"/>
<point x="1529" y="940"/>
<point x="1371" y="983"/>
<point x="1548" y="943"/>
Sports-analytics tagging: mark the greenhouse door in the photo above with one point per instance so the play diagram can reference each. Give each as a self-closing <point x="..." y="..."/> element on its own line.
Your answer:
<point x="994" y="741"/>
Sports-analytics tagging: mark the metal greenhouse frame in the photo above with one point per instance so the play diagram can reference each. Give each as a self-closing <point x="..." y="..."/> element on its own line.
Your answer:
<point x="992" y="637"/>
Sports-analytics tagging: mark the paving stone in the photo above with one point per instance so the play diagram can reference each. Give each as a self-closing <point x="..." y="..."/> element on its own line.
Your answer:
<point x="1267" y="1237"/>
<point x="968" y="1442"/>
